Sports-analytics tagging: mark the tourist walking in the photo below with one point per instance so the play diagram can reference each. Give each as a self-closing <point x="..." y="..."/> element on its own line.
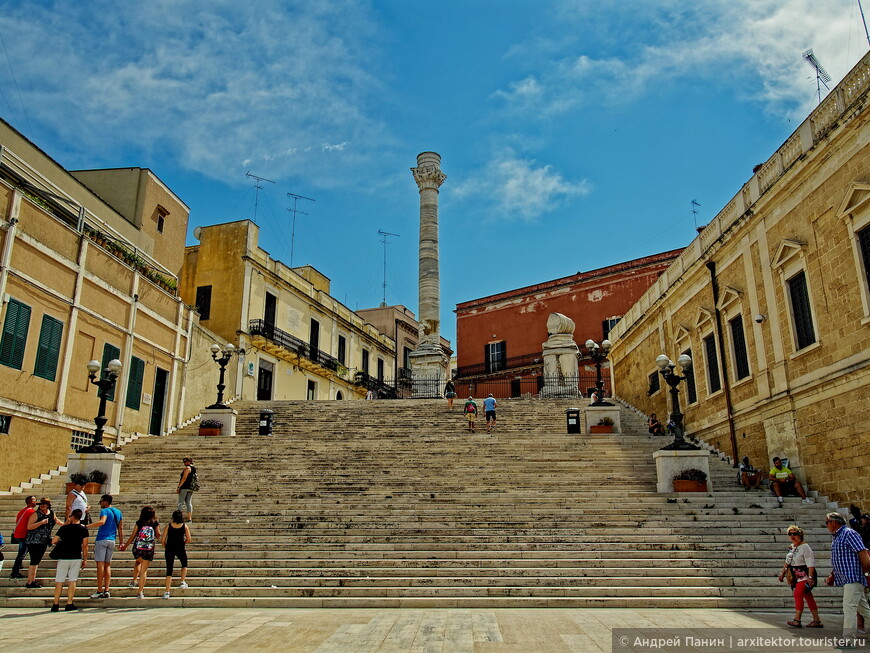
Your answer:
<point x="449" y="393"/>
<point x="110" y="527"/>
<point x="76" y="499"/>
<point x="187" y="485"/>
<point x="176" y="537"/>
<point x="489" y="405"/>
<point x="71" y="553"/>
<point x="800" y="571"/>
<point x="470" y="411"/>
<point x="19" y="534"/>
<point x="38" y="536"/>
<point x="850" y="566"/>
<point x="143" y="538"/>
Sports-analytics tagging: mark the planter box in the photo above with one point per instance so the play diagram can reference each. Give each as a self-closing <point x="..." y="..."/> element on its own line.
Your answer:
<point x="601" y="428"/>
<point x="208" y="432"/>
<point x="90" y="488"/>
<point x="690" y="486"/>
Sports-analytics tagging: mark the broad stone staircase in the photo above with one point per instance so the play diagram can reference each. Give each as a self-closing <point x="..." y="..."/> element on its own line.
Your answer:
<point x="393" y="504"/>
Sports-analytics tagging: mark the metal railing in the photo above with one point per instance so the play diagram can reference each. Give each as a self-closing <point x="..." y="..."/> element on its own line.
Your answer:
<point x="515" y="362"/>
<point x="292" y="343"/>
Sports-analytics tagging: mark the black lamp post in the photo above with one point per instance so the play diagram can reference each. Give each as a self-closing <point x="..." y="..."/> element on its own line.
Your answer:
<point x="598" y="353"/>
<point x="105" y="385"/>
<point x="666" y="367"/>
<point x="226" y="352"/>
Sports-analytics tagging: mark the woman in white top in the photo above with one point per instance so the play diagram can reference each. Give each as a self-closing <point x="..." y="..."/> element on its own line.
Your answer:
<point x="78" y="500"/>
<point x="801" y="562"/>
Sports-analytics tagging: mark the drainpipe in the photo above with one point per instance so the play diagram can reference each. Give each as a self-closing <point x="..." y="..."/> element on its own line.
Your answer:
<point x="711" y="266"/>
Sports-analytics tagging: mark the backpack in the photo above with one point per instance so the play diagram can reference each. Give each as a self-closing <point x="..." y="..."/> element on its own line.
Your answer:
<point x="145" y="538"/>
<point x="470" y="407"/>
<point x="194" y="482"/>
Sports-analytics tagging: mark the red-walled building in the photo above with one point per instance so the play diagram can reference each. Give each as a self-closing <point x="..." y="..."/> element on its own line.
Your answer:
<point x="500" y="336"/>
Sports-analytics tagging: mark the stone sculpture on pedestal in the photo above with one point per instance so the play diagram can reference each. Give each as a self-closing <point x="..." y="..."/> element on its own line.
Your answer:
<point x="560" y="358"/>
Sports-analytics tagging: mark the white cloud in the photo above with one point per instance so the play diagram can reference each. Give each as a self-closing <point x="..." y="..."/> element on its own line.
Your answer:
<point x="512" y="188"/>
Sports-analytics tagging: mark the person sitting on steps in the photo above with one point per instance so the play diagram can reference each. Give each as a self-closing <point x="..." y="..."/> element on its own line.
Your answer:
<point x="655" y="426"/>
<point x="783" y="481"/>
<point x="749" y="476"/>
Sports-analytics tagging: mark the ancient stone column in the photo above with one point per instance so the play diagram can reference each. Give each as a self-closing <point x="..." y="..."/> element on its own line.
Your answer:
<point x="428" y="361"/>
<point x="560" y="358"/>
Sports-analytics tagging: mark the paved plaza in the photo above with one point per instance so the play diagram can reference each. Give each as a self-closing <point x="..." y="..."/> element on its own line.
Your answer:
<point x="505" y="630"/>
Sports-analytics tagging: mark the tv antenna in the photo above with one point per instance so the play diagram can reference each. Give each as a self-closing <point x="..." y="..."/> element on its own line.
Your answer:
<point x="294" y="211"/>
<point x="257" y="192"/>
<point x="695" y="206"/>
<point x="384" y="241"/>
<point x="864" y="22"/>
<point x="822" y="75"/>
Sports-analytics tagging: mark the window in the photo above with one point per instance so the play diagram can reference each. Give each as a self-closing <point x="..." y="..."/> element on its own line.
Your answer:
<point x="406" y="358"/>
<point x="161" y="219"/>
<point x="607" y="325"/>
<point x="48" y="350"/>
<point x="14" y="336"/>
<point x="863" y="237"/>
<point x="80" y="439"/>
<point x="738" y="342"/>
<point x="380" y="370"/>
<point x="714" y="383"/>
<point x="495" y="356"/>
<point x="654" y="384"/>
<point x="134" y="385"/>
<point x="203" y="302"/>
<point x="342" y="347"/>
<point x="5" y="421"/>
<point x="365" y="361"/>
<point x="805" y="334"/>
<point x="110" y="352"/>
<point x="691" y="391"/>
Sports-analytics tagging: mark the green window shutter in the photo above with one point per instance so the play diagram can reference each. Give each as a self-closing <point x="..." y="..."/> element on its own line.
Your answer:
<point x="14" y="337"/>
<point x="109" y="352"/>
<point x="134" y="384"/>
<point x="48" y="350"/>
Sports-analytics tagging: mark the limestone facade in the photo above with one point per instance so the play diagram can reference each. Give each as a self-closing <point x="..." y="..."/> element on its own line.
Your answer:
<point x="772" y="301"/>
<point x="299" y="341"/>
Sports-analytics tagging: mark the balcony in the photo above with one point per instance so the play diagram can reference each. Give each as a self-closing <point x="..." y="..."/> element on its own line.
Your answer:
<point x="294" y="345"/>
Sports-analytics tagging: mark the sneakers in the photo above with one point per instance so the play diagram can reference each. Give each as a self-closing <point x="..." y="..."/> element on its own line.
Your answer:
<point x="166" y="595"/>
<point x="808" y="500"/>
<point x="35" y="585"/>
<point x="183" y="585"/>
<point x="16" y="574"/>
<point x="140" y="595"/>
<point x="133" y="585"/>
<point x="97" y="595"/>
<point x="55" y="608"/>
<point x="106" y="595"/>
<point x="779" y="504"/>
<point x="70" y="606"/>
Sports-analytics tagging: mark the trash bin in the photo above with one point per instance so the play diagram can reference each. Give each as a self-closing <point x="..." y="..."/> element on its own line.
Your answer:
<point x="572" y="416"/>
<point x="266" y="421"/>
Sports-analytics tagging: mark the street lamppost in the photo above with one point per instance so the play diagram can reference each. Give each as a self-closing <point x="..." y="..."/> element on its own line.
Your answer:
<point x="105" y="384"/>
<point x="666" y="367"/>
<point x="226" y="352"/>
<point x="598" y="353"/>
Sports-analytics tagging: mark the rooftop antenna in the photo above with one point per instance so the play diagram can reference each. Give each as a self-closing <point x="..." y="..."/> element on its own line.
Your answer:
<point x="257" y="192"/>
<point x="695" y="206"/>
<point x="864" y="22"/>
<point x="294" y="211"/>
<point x="384" y="241"/>
<point x="822" y="75"/>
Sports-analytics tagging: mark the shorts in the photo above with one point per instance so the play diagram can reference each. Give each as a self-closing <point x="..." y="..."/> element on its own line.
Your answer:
<point x="143" y="554"/>
<point x="68" y="570"/>
<point x="104" y="550"/>
<point x="171" y="555"/>
<point x="470" y="416"/>
<point x="450" y="395"/>
<point x="36" y="552"/>
<point x="490" y="415"/>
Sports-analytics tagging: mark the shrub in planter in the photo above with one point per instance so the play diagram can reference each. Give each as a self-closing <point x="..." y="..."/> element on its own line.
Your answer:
<point x="605" y="421"/>
<point x="76" y="478"/>
<point x="605" y="425"/>
<point x="97" y="476"/>
<point x="690" y="480"/>
<point x="210" y="427"/>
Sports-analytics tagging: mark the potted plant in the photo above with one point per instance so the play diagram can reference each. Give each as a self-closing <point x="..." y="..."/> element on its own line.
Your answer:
<point x="95" y="482"/>
<point x="210" y="427"/>
<point x="76" y="478"/>
<point x="690" y="480"/>
<point x="605" y="425"/>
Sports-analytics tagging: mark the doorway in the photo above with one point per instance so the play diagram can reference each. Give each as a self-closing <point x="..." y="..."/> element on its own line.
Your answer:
<point x="158" y="401"/>
<point x="264" y="381"/>
<point x="311" y="395"/>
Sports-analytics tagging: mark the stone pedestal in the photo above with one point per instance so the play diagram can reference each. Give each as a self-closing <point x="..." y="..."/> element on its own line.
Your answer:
<point x="595" y="414"/>
<point x="109" y="463"/>
<point x="560" y="358"/>
<point x="669" y="463"/>
<point x="428" y="372"/>
<point x="226" y="416"/>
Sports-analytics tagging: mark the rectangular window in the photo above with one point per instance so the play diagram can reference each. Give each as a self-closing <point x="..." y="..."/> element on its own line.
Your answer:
<point x="714" y="383"/>
<point x="380" y="370"/>
<point x="14" y="337"/>
<point x="495" y="356"/>
<point x="805" y="334"/>
<point x="654" y="383"/>
<point x="342" y="347"/>
<point x="5" y="421"/>
<point x="691" y="391"/>
<point x="864" y="246"/>
<point x="110" y="352"/>
<point x="607" y="325"/>
<point x="738" y="341"/>
<point x="48" y="350"/>
<point x="80" y="439"/>
<point x="406" y="358"/>
<point x="365" y="361"/>
<point x="203" y="302"/>
<point x="134" y="385"/>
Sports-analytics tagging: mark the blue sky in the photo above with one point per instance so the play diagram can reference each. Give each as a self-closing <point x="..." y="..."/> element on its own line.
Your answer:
<point x="574" y="134"/>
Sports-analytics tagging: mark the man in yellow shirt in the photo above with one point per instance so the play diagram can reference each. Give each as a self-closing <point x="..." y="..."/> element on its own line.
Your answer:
<point x="782" y="481"/>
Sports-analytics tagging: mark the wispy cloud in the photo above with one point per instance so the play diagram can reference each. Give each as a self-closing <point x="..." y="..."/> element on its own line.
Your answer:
<point x="513" y="188"/>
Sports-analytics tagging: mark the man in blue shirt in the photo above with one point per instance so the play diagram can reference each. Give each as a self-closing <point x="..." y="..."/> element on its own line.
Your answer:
<point x="489" y="405"/>
<point x="111" y="526"/>
<point x="850" y="562"/>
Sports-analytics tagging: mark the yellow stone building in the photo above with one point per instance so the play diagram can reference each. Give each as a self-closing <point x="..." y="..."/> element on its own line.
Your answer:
<point x="299" y="341"/>
<point x="772" y="302"/>
<point x="88" y="270"/>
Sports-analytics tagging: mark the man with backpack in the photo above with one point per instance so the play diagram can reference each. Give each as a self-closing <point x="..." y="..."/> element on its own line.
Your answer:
<point x="470" y="411"/>
<point x="111" y="529"/>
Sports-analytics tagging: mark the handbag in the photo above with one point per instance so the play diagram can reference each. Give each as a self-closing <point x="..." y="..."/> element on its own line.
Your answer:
<point x="789" y="575"/>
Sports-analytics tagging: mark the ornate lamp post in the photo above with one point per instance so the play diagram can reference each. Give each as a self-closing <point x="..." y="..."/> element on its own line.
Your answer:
<point x="598" y="353"/>
<point x="666" y="367"/>
<point x="105" y="385"/>
<point x="226" y="352"/>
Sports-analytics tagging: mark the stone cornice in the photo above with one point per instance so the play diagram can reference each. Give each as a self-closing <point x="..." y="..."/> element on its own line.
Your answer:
<point x="428" y="177"/>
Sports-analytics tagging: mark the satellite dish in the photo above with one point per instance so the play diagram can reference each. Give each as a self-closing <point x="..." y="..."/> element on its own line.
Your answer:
<point x="196" y="232"/>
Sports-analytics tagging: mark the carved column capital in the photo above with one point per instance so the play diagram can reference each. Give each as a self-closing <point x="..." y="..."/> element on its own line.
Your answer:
<point x="428" y="177"/>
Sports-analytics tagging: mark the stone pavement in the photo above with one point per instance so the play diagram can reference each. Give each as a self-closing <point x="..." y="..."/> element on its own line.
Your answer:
<point x="508" y="630"/>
